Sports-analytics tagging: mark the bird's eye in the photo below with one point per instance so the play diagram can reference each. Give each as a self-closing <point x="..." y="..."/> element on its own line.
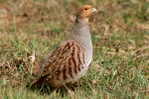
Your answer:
<point x="86" y="9"/>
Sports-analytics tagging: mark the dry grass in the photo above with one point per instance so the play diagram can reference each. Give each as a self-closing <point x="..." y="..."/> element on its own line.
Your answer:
<point x="120" y="68"/>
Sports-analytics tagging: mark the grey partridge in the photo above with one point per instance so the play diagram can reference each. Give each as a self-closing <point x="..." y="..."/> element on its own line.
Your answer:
<point x="71" y="60"/>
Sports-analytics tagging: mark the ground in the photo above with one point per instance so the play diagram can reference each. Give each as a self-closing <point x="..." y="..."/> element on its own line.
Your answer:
<point x="120" y="34"/>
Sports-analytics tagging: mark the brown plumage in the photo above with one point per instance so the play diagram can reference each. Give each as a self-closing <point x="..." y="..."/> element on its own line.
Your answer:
<point x="71" y="59"/>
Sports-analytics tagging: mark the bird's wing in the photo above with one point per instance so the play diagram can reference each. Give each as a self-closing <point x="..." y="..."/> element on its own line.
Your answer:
<point x="68" y="56"/>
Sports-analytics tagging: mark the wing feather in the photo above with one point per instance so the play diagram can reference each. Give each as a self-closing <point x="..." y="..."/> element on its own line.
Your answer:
<point x="62" y="58"/>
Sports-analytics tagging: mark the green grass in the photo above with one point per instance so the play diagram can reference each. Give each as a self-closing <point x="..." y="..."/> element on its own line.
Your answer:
<point x="120" y="68"/>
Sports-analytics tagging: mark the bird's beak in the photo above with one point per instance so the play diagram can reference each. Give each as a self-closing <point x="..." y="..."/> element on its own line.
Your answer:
<point x="94" y="10"/>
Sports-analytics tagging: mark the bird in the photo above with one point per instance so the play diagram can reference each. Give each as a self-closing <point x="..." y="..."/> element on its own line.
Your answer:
<point x="71" y="59"/>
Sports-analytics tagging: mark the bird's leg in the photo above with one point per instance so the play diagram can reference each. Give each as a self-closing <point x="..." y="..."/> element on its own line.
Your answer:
<point x="74" y="85"/>
<point x="69" y="90"/>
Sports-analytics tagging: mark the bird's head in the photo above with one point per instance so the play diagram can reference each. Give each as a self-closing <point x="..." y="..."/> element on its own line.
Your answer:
<point x="85" y="12"/>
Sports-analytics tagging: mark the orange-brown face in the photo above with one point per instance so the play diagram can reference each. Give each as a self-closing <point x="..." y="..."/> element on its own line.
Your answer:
<point x="86" y="11"/>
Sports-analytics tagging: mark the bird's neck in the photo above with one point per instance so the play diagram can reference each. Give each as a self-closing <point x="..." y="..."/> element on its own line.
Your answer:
<point x="81" y="34"/>
<point x="82" y="20"/>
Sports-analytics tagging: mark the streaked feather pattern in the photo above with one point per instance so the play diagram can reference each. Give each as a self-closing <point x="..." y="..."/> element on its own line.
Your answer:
<point x="64" y="64"/>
